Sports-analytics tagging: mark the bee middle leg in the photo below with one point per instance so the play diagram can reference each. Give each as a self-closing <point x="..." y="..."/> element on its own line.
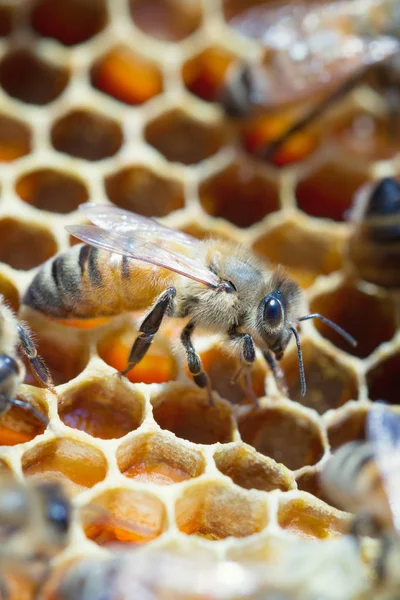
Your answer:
<point x="149" y="328"/>
<point x="194" y="361"/>
<point x="248" y="357"/>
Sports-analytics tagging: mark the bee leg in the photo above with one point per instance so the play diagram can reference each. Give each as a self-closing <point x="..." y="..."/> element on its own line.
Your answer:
<point x="38" y="365"/>
<point x="149" y="328"/>
<point x="194" y="361"/>
<point x="277" y="372"/>
<point x="248" y="356"/>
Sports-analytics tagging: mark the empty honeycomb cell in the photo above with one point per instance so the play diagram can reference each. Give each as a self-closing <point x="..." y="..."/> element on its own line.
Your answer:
<point x="69" y="21"/>
<point x="216" y="511"/>
<point x="18" y="425"/>
<point x="10" y="292"/>
<point x="383" y="380"/>
<point x="240" y="193"/>
<point x="29" y="78"/>
<point x="158" y="365"/>
<point x="168" y="20"/>
<point x="124" y="516"/>
<point x="159" y="458"/>
<point x="250" y="470"/>
<point x="126" y="76"/>
<point x="143" y="191"/>
<point x="52" y="190"/>
<point x="259" y="133"/>
<point x="88" y="135"/>
<point x="105" y="408"/>
<point x="368" y="318"/>
<point x="77" y="465"/>
<point x="184" y="139"/>
<point x="305" y="252"/>
<point x="328" y="190"/>
<point x="329" y="382"/>
<point x="186" y="411"/>
<point x="15" y="139"/>
<point x="222" y="369"/>
<point x="6" y="20"/>
<point x="346" y="427"/>
<point x="24" y="245"/>
<point x="309" y="518"/>
<point x="368" y="136"/>
<point x="269" y="429"/>
<point x="203" y="75"/>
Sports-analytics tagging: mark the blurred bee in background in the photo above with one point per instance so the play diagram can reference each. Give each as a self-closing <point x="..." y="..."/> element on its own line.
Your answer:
<point x="374" y="244"/>
<point x="311" y="49"/>
<point x="14" y="335"/>
<point x="132" y="261"/>
<point x="363" y="477"/>
<point x="34" y="525"/>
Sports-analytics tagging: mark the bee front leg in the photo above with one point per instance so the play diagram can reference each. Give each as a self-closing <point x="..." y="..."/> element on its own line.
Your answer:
<point x="277" y="372"/>
<point x="149" y="328"/>
<point x="39" y="368"/>
<point x="194" y="361"/>
<point x="248" y="357"/>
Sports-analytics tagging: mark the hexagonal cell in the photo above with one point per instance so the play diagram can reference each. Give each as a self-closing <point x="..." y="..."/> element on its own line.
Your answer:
<point x="124" y="516"/>
<point x="217" y="511"/>
<point x="169" y="20"/>
<point x="106" y="408"/>
<point x="204" y="74"/>
<point x="258" y="133"/>
<point x="328" y="190"/>
<point x="329" y="382"/>
<point x="10" y="292"/>
<point x="157" y="366"/>
<point x="240" y="193"/>
<point x="24" y="245"/>
<point x="29" y="78"/>
<point x="184" y="139"/>
<point x="126" y="76"/>
<point x="87" y="135"/>
<point x="15" y="138"/>
<point x="368" y="136"/>
<point x="305" y="253"/>
<point x="77" y="465"/>
<point x="309" y="518"/>
<point x="352" y="308"/>
<point x="383" y="380"/>
<point x="251" y="471"/>
<point x="185" y="410"/>
<point x="346" y="426"/>
<point x="17" y="425"/>
<point x="269" y="429"/>
<point x="143" y="191"/>
<point x="52" y="190"/>
<point x="69" y="21"/>
<point x="222" y="367"/>
<point x="159" y="458"/>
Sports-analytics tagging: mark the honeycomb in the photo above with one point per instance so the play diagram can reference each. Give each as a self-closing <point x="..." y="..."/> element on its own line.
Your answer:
<point x="114" y="102"/>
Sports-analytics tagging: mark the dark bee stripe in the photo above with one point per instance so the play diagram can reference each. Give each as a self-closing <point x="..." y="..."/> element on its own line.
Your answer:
<point x="93" y="269"/>
<point x="56" y="272"/>
<point x="125" y="267"/>
<point x="83" y="258"/>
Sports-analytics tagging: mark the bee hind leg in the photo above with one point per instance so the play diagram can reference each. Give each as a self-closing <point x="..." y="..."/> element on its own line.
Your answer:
<point x="149" y="327"/>
<point x="200" y="377"/>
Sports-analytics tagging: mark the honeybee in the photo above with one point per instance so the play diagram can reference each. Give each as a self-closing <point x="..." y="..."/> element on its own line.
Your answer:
<point x="311" y="49"/>
<point x="363" y="477"/>
<point x="14" y="335"/>
<point x="132" y="262"/>
<point x="34" y="524"/>
<point x="374" y="244"/>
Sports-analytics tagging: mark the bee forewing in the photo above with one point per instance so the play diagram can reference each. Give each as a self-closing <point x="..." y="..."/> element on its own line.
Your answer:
<point x="383" y="429"/>
<point x="148" y="246"/>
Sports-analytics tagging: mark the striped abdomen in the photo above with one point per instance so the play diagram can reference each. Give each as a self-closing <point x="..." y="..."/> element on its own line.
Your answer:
<point x="85" y="282"/>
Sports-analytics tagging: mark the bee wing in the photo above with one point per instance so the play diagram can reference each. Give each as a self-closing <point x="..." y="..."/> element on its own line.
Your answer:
<point x="383" y="429"/>
<point x="148" y="246"/>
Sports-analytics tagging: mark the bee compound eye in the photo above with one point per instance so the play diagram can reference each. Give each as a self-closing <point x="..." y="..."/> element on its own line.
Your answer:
<point x="273" y="311"/>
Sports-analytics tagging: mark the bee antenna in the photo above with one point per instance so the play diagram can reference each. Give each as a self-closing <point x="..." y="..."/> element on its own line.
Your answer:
<point x="300" y="359"/>
<point x="349" y="338"/>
